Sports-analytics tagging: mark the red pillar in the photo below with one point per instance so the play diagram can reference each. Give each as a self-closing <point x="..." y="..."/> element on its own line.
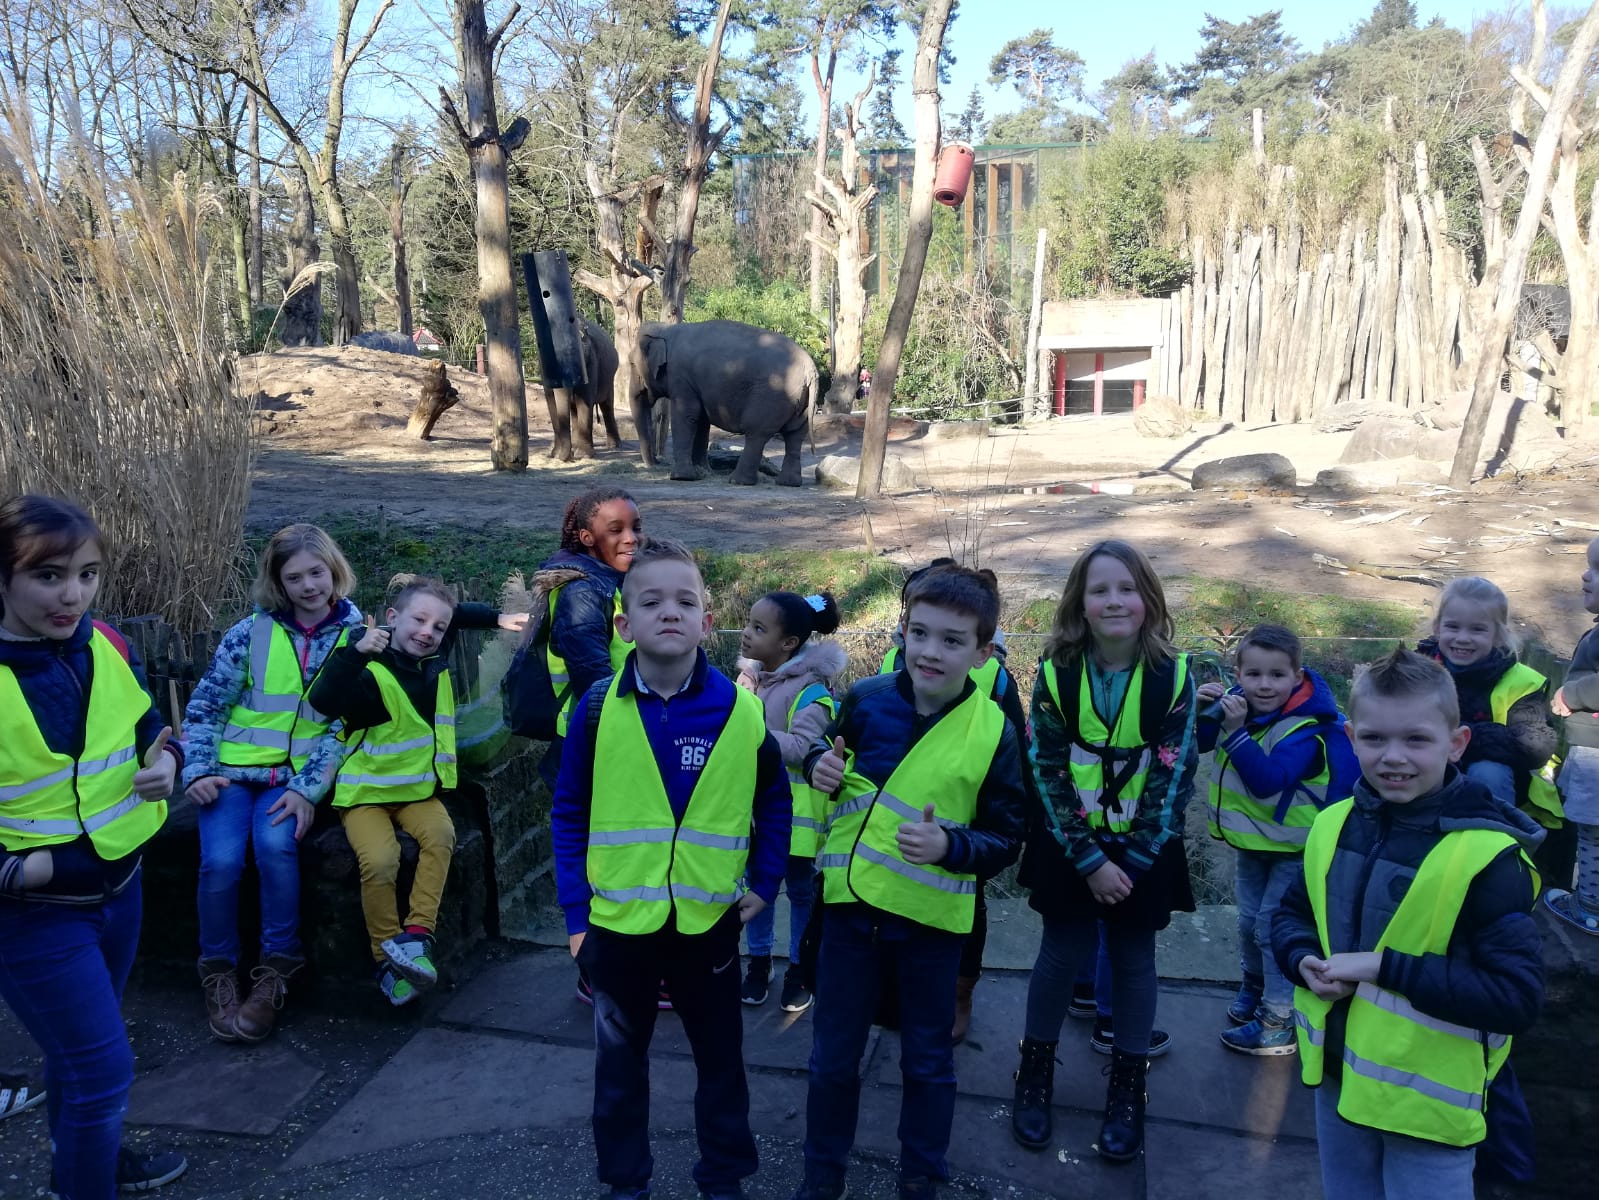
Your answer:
<point x="1059" y="359"/>
<point x="1138" y="392"/>
<point x="1099" y="384"/>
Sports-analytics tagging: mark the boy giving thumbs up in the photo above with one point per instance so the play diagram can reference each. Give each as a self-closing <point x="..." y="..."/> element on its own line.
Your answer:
<point x="925" y="778"/>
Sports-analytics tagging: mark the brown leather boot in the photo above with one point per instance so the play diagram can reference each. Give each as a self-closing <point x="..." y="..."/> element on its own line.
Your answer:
<point x="269" y="984"/>
<point x="963" y="1007"/>
<point x="221" y="984"/>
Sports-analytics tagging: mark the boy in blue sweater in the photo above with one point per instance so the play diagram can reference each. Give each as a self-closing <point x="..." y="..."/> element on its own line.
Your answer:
<point x="671" y="792"/>
<point x="1281" y="757"/>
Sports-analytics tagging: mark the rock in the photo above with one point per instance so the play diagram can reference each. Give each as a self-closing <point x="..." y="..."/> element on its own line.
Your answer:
<point x="947" y="431"/>
<point x="1341" y="418"/>
<point x="1528" y="440"/>
<point x="1245" y="471"/>
<point x="1356" y="479"/>
<point x="1162" y="417"/>
<point x="1379" y="438"/>
<point x="844" y="471"/>
<point x="391" y="340"/>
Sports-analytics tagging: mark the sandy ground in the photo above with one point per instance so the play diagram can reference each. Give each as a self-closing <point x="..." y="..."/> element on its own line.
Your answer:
<point x="333" y="439"/>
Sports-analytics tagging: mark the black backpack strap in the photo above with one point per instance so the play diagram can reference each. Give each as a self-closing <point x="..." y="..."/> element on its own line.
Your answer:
<point x="1159" y="694"/>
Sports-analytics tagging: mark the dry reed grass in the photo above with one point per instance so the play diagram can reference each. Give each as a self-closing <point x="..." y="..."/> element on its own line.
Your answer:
<point x="116" y="385"/>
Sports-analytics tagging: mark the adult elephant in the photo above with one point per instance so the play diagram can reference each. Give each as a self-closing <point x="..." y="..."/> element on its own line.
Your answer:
<point x="734" y="376"/>
<point x="572" y="409"/>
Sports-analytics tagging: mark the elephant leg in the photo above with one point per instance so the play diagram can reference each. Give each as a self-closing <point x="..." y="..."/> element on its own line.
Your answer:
<point x="608" y="415"/>
<point x="559" y="401"/>
<point x="582" y="425"/>
<point x="793" y="439"/>
<point x="686" y="425"/>
<point x="702" y="446"/>
<point x="748" y="471"/>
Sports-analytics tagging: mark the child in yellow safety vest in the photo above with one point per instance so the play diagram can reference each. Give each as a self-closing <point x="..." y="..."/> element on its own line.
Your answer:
<point x="259" y="759"/>
<point x="1503" y="702"/>
<point x="787" y="661"/>
<point x="1410" y="936"/>
<point x="1281" y="757"/>
<point x="392" y="691"/>
<point x="1577" y="703"/>
<point x="925" y="774"/>
<point x="1114" y="757"/>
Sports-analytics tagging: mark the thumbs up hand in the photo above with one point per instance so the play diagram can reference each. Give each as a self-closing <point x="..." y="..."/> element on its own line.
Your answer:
<point x="376" y="638"/>
<point x="924" y="842"/>
<point x="828" y="771"/>
<point x="154" y="779"/>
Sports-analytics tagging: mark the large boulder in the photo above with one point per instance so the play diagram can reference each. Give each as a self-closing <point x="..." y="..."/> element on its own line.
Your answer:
<point x="1518" y="436"/>
<point x="1381" y="437"/>
<point x="1162" y="417"/>
<point x="1245" y="472"/>
<point x="844" y="471"/>
<point x="1392" y="474"/>
<point x="391" y="340"/>
<point x="1341" y="418"/>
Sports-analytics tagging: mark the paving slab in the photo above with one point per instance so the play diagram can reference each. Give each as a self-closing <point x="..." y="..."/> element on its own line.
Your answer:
<point x="224" y="1089"/>
<point x="1208" y="1164"/>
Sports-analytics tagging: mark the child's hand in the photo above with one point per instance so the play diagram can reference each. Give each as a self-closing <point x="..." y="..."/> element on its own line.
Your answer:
<point x="1207" y="692"/>
<point x="1558" y="705"/>
<point x="205" y="789"/>
<point x="1353" y="968"/>
<point x="375" y="640"/>
<point x="155" y="779"/>
<point x="1110" y="884"/>
<point x="513" y="622"/>
<point x="923" y="842"/>
<point x="748" y="905"/>
<point x="1234" y="711"/>
<point x="292" y="804"/>
<point x="828" y="772"/>
<point x="574" y="942"/>
<point x="1313" y="971"/>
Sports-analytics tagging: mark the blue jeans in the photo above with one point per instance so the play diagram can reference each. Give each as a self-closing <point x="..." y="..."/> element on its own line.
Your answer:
<point x="1499" y="778"/>
<point x="855" y="938"/>
<point x="1099" y="976"/>
<point x="759" y="934"/>
<point x="1361" y="1163"/>
<point x="62" y="971"/>
<point x="229" y="825"/>
<point x="1262" y="879"/>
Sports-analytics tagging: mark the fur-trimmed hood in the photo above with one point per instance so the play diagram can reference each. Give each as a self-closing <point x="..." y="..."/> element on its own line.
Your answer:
<point x="820" y="660"/>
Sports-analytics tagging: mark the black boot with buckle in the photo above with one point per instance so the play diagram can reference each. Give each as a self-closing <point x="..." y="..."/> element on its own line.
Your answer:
<point x="1030" y="1120"/>
<point x="1121" y="1137"/>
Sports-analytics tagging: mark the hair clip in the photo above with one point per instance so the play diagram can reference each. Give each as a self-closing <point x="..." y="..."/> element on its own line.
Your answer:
<point x="817" y="603"/>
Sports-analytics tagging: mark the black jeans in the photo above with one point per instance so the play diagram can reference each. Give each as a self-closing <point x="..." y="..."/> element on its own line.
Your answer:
<point x="701" y="974"/>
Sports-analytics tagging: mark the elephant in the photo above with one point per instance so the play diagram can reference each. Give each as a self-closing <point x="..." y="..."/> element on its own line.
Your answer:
<point x="572" y="410"/>
<point x="734" y="376"/>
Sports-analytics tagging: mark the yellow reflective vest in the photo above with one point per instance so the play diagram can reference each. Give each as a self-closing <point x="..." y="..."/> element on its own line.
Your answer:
<point x="48" y="798"/>
<point x="860" y="859"/>
<point x="810" y="805"/>
<point x="1404" y="1071"/>
<point x="1110" y="763"/>
<point x="1542" y="800"/>
<point x="1240" y="818"/>
<point x="273" y="722"/>
<point x="642" y="864"/>
<point x="561" y="679"/>
<point x="404" y="759"/>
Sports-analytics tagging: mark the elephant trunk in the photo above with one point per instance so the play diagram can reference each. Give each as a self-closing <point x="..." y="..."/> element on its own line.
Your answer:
<point x="644" y="425"/>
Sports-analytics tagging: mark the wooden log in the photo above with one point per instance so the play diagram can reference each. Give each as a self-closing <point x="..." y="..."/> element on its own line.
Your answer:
<point x="1299" y="338"/>
<point x="1215" y="365"/>
<point x="1248" y="382"/>
<point x="1387" y="311"/>
<point x="1186" y="381"/>
<point x="1232" y="396"/>
<point x="1340" y="325"/>
<point x="1316" y="333"/>
<point x="437" y="396"/>
<point x="1425" y="361"/>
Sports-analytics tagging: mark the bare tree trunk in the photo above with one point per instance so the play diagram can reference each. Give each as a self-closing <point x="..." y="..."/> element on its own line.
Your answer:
<point x="239" y="226"/>
<point x="346" y="271"/>
<point x="824" y="100"/>
<point x="256" y="264"/>
<point x="302" y="303"/>
<point x="1491" y="341"/>
<point x="918" y="235"/>
<point x="402" y="272"/>
<point x="489" y="151"/>
<point x="702" y="143"/>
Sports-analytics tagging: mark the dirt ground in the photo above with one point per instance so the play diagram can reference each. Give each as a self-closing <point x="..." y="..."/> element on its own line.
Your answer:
<point x="333" y="439"/>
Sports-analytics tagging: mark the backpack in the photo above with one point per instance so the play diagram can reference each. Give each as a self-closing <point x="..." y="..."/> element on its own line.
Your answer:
<point x="528" y="697"/>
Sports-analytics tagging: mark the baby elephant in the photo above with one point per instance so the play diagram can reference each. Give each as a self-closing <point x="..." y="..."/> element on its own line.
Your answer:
<point x="734" y="376"/>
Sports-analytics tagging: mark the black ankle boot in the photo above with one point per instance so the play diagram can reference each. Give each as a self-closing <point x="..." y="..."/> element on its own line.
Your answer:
<point x="1030" y="1120"/>
<point x="1121" y="1137"/>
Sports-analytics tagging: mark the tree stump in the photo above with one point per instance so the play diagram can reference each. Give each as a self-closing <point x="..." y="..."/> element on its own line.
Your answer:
<point x="438" y="394"/>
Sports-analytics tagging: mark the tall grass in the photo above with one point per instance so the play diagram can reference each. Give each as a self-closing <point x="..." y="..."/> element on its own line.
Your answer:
<point x="116" y="386"/>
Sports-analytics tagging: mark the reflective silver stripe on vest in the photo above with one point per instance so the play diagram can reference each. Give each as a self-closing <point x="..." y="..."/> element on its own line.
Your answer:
<point x="1410" y="1081"/>
<point x="628" y="895"/>
<point x="806" y="823"/>
<point x="1233" y="821"/>
<point x="416" y="743"/>
<point x="910" y="812"/>
<point x="50" y="828"/>
<point x="712" y="841"/>
<point x="383" y="780"/>
<point x="1395" y="1003"/>
<point x="630" y="837"/>
<point x="922" y="875"/>
<point x="270" y="739"/>
<point x="1316" y="1036"/>
<point x="560" y="678"/>
<point x="444" y="719"/>
<point x="1090" y="797"/>
<point x="850" y="807"/>
<point x="86" y="768"/>
<point x="827" y="861"/>
<point x="682" y="892"/>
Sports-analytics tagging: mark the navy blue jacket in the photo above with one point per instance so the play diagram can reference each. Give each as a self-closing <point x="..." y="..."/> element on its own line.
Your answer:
<point x="677" y="726"/>
<point x="1528" y="737"/>
<point x="879" y="723"/>
<point x="55" y="678"/>
<point x="580" y="631"/>
<point x="1299" y="756"/>
<point x="1492" y="976"/>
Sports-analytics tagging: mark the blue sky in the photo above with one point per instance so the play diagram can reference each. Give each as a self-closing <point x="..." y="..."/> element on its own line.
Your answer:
<point x="1108" y="33"/>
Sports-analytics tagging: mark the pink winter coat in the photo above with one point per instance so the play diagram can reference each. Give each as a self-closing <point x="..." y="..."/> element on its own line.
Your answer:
<point x="819" y="661"/>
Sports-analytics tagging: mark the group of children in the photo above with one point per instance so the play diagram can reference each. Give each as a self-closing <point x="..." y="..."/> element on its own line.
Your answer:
<point x="1383" y="883"/>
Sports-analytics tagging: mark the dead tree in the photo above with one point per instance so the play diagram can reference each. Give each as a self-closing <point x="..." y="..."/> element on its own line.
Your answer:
<point x="438" y="395"/>
<point x="402" y="271"/>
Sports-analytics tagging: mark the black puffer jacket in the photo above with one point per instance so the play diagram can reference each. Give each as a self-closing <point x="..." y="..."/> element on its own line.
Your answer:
<point x="1525" y="741"/>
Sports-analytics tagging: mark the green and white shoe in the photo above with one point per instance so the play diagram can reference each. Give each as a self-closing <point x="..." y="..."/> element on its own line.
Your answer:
<point x="411" y="954"/>
<point x="397" y="989"/>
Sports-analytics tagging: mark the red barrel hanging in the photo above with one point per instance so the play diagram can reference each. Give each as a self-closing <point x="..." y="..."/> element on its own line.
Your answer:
<point x="954" y="173"/>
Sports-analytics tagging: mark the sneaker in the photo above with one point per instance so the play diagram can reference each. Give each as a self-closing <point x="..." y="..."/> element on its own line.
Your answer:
<point x="1266" y="1034"/>
<point x="1083" y="1006"/>
<point x="1104" y="1039"/>
<point x="397" y="989"/>
<point x="411" y="954"/>
<point x="662" y="1000"/>
<point x="757" y="979"/>
<point x="1569" y="909"/>
<point x="1242" y="1010"/>
<point x="796" y="997"/>
<point x="146" y="1172"/>
<point x="585" y="992"/>
<point x="18" y="1093"/>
